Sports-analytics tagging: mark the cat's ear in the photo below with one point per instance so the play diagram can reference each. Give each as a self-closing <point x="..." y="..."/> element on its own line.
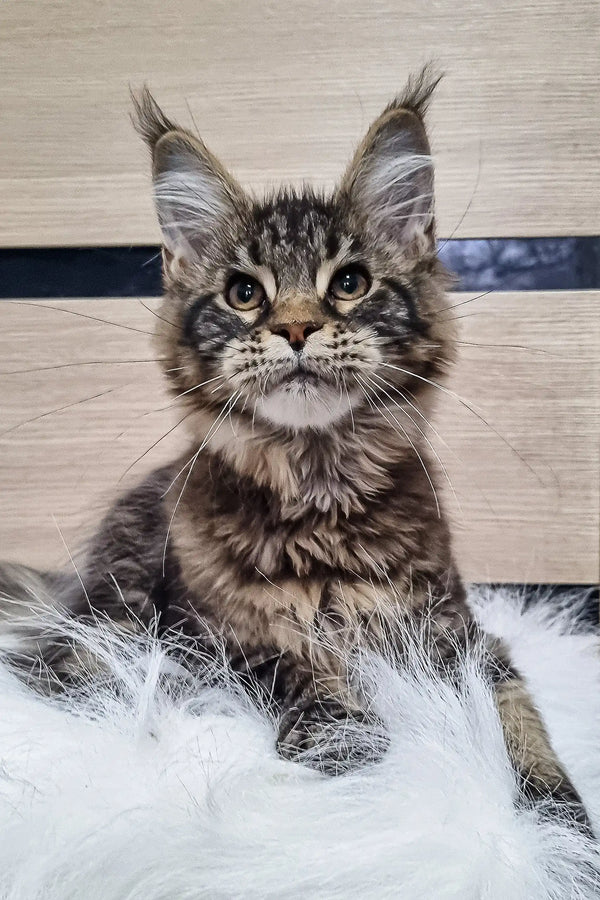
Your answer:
<point x="390" y="180"/>
<point x="195" y="197"/>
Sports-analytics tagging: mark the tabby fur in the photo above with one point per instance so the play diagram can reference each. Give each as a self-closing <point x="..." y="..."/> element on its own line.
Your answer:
<point x="305" y="517"/>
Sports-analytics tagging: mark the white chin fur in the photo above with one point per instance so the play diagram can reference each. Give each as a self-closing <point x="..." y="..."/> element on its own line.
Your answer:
<point x="297" y="405"/>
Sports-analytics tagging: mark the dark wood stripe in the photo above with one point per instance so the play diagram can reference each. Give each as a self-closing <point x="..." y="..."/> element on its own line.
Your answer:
<point x="501" y="264"/>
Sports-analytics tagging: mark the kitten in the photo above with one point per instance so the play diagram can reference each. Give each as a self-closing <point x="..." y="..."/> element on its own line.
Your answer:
<point x="306" y="336"/>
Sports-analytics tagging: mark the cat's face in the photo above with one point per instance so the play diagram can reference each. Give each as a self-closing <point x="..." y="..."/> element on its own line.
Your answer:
<point x="300" y="310"/>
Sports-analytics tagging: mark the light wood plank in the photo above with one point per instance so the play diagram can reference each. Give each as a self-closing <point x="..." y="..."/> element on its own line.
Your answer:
<point x="532" y="367"/>
<point x="283" y="91"/>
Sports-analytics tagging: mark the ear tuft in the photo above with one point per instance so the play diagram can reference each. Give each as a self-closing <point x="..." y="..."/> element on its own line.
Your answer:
<point x="148" y="118"/>
<point x="390" y="179"/>
<point x="196" y="198"/>
<point x="418" y="92"/>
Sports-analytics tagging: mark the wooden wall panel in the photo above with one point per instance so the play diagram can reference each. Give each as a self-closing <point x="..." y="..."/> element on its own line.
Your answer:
<point x="530" y="363"/>
<point x="283" y="91"/>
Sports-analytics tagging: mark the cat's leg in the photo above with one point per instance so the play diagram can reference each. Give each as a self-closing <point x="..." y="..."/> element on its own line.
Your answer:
<point x="450" y="631"/>
<point x="322" y="733"/>
<point x="323" y="725"/>
<point x="542" y="777"/>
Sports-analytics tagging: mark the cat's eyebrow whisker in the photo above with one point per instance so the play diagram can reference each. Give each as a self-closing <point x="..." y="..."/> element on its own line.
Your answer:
<point x="211" y="431"/>
<point x="470" y="408"/>
<point x="424" y="436"/>
<point x="401" y="433"/>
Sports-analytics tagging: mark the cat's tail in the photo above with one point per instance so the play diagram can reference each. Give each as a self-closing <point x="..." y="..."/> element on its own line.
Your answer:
<point x="31" y="603"/>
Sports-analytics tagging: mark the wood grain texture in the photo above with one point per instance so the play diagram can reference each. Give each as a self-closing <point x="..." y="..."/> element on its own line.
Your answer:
<point x="284" y="91"/>
<point x="530" y="365"/>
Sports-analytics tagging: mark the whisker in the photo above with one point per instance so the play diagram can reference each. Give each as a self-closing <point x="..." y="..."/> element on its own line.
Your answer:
<point x="51" y="412"/>
<point x="36" y="304"/>
<point x="175" y="325"/>
<point x="80" y="579"/>
<point x="383" y="575"/>
<point x="429" y="444"/>
<point x="152" y="446"/>
<point x="469" y="204"/>
<point x="407" y="436"/>
<point x="179" y="396"/>
<point x="412" y="406"/>
<point x="466" y="316"/>
<point x="151" y="259"/>
<point x="244" y="404"/>
<point x="227" y="378"/>
<point x="435" y="431"/>
<point x="89" y="362"/>
<point x="212" y="430"/>
<point x="470" y="408"/>
<point x="510" y="347"/>
<point x="349" y="406"/>
<point x="156" y="315"/>
<point x="463" y="302"/>
<point x="189" y="109"/>
<point x="231" y="422"/>
<point x="277" y="587"/>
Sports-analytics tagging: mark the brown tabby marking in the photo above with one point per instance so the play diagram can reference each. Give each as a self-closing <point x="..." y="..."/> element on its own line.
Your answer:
<point x="306" y="336"/>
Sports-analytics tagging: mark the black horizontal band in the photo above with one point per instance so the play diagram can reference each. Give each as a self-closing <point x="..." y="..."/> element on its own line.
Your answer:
<point x="557" y="596"/>
<point x="500" y="264"/>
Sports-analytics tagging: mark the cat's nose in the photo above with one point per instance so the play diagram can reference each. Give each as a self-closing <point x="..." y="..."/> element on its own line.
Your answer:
<point x="297" y="332"/>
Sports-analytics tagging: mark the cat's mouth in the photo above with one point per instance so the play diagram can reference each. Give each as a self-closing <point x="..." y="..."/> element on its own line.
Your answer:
<point x="301" y="375"/>
<point x="299" y="396"/>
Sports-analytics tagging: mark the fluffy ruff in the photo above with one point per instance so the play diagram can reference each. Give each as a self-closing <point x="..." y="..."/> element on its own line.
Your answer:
<point x="156" y="785"/>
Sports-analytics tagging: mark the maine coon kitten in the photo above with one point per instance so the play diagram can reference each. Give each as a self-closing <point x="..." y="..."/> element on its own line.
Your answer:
<point x="306" y="335"/>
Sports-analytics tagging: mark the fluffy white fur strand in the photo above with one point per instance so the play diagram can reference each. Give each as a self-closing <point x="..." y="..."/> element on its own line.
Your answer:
<point x="154" y="786"/>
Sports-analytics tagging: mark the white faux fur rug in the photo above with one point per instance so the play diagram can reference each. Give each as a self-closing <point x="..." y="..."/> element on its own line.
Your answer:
<point x="160" y="788"/>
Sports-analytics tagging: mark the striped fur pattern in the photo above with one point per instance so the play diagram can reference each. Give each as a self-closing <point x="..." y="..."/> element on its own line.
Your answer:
<point x="307" y="506"/>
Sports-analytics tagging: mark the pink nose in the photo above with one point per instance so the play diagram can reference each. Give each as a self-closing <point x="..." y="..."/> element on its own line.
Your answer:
<point x="297" y="333"/>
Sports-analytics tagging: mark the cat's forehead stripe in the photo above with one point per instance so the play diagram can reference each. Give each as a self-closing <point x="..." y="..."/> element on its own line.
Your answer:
<point x="327" y="269"/>
<point x="289" y="217"/>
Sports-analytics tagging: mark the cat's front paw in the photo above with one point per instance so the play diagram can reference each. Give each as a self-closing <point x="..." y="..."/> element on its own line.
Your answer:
<point x="324" y="735"/>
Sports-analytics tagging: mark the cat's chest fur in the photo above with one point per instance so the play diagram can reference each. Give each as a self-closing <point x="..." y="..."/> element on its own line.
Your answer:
<point x="278" y="567"/>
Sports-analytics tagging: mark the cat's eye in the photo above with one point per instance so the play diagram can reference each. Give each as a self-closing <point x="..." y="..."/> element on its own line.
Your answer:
<point x="349" y="283"/>
<point x="244" y="292"/>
